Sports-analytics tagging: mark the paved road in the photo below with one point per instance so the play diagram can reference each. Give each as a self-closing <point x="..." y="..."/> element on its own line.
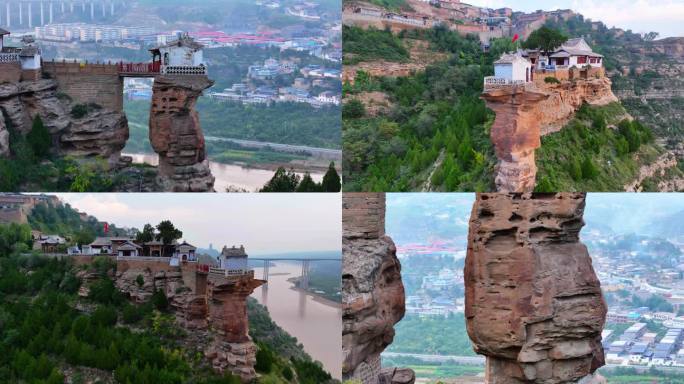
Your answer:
<point x="470" y="360"/>
<point x="326" y="153"/>
<point x="480" y="360"/>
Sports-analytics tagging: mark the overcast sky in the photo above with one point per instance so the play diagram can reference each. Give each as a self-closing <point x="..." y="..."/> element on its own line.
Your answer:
<point x="663" y="16"/>
<point x="264" y="223"/>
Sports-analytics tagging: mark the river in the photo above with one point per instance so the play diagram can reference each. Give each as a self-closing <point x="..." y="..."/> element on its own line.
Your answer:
<point x="317" y="324"/>
<point x="226" y="175"/>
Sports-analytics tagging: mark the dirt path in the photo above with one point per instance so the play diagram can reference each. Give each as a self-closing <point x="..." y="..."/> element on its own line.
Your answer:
<point x="427" y="187"/>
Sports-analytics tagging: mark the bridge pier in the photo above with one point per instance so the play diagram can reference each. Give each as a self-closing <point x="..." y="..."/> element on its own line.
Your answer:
<point x="305" y="274"/>
<point x="265" y="277"/>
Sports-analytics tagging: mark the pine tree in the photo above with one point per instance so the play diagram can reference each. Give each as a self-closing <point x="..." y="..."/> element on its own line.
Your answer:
<point x="39" y="138"/>
<point x="308" y="185"/>
<point x="331" y="180"/>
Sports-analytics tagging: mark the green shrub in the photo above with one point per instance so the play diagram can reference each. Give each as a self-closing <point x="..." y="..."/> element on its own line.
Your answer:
<point x="287" y="373"/>
<point x="39" y="138"/>
<point x="79" y="110"/>
<point x="353" y="109"/>
<point x="159" y="300"/>
<point x="264" y="359"/>
<point x="589" y="171"/>
<point x="551" y="80"/>
<point x="140" y="280"/>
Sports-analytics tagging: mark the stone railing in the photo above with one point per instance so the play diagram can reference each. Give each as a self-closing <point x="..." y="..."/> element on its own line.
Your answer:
<point x="9" y="57"/>
<point x="492" y="82"/>
<point x="184" y="70"/>
<point x="227" y="272"/>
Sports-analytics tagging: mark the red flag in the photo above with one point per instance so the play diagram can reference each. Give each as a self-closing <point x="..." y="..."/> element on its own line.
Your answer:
<point x="515" y="37"/>
<point x="106" y="227"/>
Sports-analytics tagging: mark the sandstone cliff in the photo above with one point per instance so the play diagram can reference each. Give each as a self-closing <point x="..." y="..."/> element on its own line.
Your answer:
<point x="372" y="291"/>
<point x="176" y="134"/>
<point x="99" y="133"/>
<point x="213" y="307"/>
<point x="533" y="303"/>
<point x="525" y="113"/>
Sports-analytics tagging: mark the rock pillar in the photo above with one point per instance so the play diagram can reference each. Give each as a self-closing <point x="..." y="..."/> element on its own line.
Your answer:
<point x="372" y="291"/>
<point x="176" y="134"/>
<point x="533" y="303"/>
<point x="233" y="350"/>
<point x="515" y="135"/>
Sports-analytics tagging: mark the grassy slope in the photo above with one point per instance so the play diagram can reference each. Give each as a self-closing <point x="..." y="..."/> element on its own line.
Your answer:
<point x="579" y="140"/>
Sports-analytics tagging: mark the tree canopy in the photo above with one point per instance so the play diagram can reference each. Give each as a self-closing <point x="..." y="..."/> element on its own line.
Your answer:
<point x="545" y="39"/>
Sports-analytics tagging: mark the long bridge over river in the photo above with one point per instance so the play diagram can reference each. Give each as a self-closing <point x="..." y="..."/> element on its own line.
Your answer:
<point x="305" y="262"/>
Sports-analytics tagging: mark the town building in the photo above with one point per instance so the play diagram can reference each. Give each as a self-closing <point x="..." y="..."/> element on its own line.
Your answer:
<point x="128" y="249"/>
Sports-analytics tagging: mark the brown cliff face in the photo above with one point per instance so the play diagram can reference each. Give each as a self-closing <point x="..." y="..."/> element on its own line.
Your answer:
<point x="515" y="135"/>
<point x="525" y="113"/>
<point x="533" y="303"/>
<point x="213" y="305"/>
<point x="234" y="350"/>
<point x="101" y="132"/>
<point x="372" y="292"/>
<point x="176" y="134"/>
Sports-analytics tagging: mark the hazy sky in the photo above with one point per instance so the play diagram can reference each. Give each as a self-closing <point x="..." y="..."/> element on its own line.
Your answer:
<point x="662" y="16"/>
<point x="263" y="223"/>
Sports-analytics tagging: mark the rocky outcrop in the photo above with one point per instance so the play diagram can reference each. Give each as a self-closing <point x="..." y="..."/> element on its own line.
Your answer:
<point x="515" y="133"/>
<point x="657" y="169"/>
<point x="533" y="303"/>
<point x="233" y="350"/>
<point x="526" y="112"/>
<point x="100" y="132"/>
<point x="176" y="134"/>
<point x="567" y="97"/>
<point x="372" y="291"/>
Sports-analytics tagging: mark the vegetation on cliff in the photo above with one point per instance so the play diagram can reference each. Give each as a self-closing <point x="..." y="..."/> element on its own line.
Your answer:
<point x="49" y="332"/>
<point x="636" y="69"/>
<point x="436" y="135"/>
<point x="587" y="155"/>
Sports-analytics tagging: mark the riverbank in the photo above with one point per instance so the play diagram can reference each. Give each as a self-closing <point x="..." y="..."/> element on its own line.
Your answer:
<point x="228" y="176"/>
<point x="314" y="296"/>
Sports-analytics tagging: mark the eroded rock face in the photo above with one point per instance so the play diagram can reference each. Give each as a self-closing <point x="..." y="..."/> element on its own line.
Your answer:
<point x="233" y="350"/>
<point x="176" y="134"/>
<point x="525" y="113"/>
<point x="372" y="291"/>
<point x="515" y="135"/>
<point x="533" y="303"/>
<point x="99" y="133"/>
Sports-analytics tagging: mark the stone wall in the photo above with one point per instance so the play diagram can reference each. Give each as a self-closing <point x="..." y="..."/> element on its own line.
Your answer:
<point x="87" y="83"/>
<point x="10" y="72"/>
<point x="154" y="266"/>
<point x="364" y="215"/>
<point x="533" y="304"/>
<point x="13" y="215"/>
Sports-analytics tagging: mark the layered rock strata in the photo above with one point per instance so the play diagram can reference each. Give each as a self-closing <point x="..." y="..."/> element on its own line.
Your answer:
<point x="100" y="132"/>
<point x="234" y="350"/>
<point x="515" y="134"/>
<point x="533" y="303"/>
<point x="372" y="291"/>
<point x="176" y="134"/>
<point x="211" y="303"/>
<point x="526" y="112"/>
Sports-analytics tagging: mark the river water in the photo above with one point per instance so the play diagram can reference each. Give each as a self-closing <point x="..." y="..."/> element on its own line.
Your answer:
<point x="226" y="175"/>
<point x="317" y="324"/>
